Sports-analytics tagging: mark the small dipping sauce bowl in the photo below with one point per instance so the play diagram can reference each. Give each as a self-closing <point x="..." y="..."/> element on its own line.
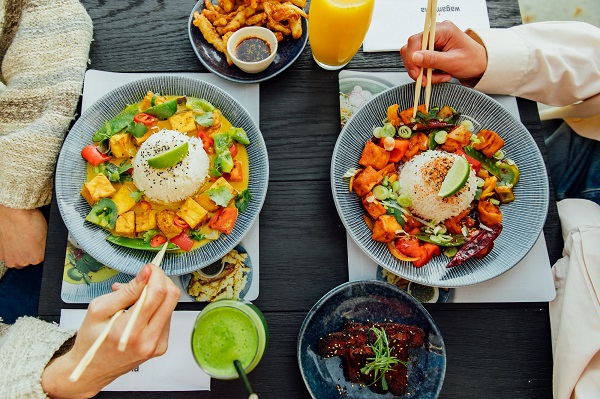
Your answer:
<point x="252" y="48"/>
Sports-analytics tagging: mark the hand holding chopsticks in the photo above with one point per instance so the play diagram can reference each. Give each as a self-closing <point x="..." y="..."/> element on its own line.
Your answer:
<point x="427" y="43"/>
<point x="143" y="330"/>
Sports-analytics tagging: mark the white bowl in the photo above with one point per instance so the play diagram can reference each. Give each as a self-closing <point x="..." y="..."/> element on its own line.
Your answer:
<point x="248" y="32"/>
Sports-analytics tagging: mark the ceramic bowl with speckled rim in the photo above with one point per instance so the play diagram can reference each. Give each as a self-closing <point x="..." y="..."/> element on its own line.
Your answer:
<point x="71" y="174"/>
<point x="369" y="301"/>
<point x="523" y="219"/>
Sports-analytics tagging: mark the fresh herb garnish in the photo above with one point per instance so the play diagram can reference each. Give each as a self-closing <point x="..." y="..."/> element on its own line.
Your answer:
<point x="196" y="235"/>
<point x="242" y="201"/>
<point x="383" y="360"/>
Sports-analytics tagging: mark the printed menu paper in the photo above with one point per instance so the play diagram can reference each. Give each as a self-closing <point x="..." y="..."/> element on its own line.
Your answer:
<point x="394" y="21"/>
<point x="176" y="370"/>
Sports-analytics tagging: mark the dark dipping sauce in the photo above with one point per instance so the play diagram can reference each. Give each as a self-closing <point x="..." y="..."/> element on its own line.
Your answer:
<point x="252" y="49"/>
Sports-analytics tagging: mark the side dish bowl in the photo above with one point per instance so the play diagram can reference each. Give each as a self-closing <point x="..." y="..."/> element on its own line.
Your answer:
<point x="369" y="301"/>
<point x="252" y="32"/>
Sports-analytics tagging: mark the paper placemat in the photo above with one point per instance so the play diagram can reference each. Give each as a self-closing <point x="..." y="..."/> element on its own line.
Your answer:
<point x="99" y="281"/>
<point x="176" y="370"/>
<point x="394" y="21"/>
<point x="529" y="281"/>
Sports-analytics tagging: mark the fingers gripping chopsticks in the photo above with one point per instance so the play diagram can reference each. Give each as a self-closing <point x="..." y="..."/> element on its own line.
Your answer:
<point x="89" y="355"/>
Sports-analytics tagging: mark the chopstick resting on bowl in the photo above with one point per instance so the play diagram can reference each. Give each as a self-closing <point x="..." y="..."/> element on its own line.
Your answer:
<point x="427" y="43"/>
<point x="91" y="352"/>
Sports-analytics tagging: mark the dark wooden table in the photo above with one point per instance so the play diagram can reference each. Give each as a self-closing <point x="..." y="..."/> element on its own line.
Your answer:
<point x="494" y="350"/>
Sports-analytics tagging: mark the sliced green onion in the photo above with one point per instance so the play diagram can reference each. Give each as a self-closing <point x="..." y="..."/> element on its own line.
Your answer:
<point x="393" y="196"/>
<point x="395" y="186"/>
<point x="465" y="231"/>
<point x="494" y="201"/>
<point x="440" y="136"/>
<point x="468" y="125"/>
<point x="499" y="154"/>
<point x="404" y="200"/>
<point x="381" y="192"/>
<point x="377" y="131"/>
<point x="440" y="229"/>
<point x="405" y="132"/>
<point x="450" y="251"/>
<point x="388" y="130"/>
<point x="349" y="173"/>
<point x="385" y="181"/>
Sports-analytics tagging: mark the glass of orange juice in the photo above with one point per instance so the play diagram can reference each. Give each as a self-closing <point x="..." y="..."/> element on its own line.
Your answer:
<point x="336" y="29"/>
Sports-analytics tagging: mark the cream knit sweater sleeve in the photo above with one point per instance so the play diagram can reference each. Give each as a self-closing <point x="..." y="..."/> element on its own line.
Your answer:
<point x="44" y="46"/>
<point x="26" y="347"/>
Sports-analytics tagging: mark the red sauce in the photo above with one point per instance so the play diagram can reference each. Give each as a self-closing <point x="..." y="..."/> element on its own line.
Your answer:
<point x="252" y="49"/>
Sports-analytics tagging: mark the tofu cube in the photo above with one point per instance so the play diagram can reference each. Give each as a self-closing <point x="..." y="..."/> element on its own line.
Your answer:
<point x="183" y="121"/>
<point x="123" y="200"/>
<point x="122" y="145"/>
<point x="97" y="188"/>
<point x="145" y="221"/>
<point x="385" y="229"/>
<point x="166" y="224"/>
<point x="192" y="213"/>
<point x="206" y="202"/>
<point x="126" y="224"/>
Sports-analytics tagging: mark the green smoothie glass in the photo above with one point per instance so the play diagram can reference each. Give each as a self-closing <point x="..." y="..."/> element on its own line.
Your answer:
<point x="225" y="331"/>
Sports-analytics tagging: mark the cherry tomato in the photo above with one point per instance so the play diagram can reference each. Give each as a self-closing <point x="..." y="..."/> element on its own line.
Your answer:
<point x="146" y="119"/>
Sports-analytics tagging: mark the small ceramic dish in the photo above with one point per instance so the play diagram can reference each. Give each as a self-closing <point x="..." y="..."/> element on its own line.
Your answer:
<point x="248" y="47"/>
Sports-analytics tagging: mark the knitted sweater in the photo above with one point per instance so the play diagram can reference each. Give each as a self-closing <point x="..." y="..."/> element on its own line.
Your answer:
<point x="44" y="46"/>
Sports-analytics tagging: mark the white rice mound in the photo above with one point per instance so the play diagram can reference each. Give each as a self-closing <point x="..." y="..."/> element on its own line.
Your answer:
<point x="177" y="182"/>
<point x="421" y="178"/>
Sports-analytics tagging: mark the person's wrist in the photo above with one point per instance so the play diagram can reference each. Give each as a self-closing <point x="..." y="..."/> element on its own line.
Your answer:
<point x="56" y="384"/>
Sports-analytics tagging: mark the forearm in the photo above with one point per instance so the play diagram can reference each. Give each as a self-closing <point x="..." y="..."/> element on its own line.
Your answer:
<point x="43" y="73"/>
<point x="556" y="63"/>
<point x="26" y="348"/>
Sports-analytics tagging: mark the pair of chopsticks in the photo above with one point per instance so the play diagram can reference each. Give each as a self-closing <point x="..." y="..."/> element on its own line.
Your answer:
<point x="427" y="43"/>
<point x="89" y="355"/>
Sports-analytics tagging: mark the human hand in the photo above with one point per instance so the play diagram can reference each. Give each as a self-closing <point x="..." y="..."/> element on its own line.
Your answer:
<point x="148" y="338"/>
<point x="457" y="55"/>
<point x="22" y="236"/>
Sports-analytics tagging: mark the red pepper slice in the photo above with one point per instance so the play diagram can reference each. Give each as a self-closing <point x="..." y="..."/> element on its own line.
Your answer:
<point x="233" y="150"/>
<point x="183" y="241"/>
<point x="92" y="154"/>
<point x="207" y="141"/>
<point x="224" y="220"/>
<point x="146" y="119"/>
<point x="158" y="240"/>
<point x="474" y="163"/>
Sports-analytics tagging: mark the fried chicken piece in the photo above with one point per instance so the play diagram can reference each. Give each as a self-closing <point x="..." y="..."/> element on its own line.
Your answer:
<point x="209" y="32"/>
<point x="237" y="22"/>
<point x="257" y="19"/>
<point x="227" y="5"/>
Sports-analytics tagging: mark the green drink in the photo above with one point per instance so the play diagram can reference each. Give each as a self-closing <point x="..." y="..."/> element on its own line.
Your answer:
<point x="225" y="331"/>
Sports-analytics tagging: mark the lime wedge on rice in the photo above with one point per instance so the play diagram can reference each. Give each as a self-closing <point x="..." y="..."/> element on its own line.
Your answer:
<point x="456" y="178"/>
<point x="169" y="158"/>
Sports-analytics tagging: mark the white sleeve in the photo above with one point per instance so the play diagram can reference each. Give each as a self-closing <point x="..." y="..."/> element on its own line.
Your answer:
<point x="555" y="63"/>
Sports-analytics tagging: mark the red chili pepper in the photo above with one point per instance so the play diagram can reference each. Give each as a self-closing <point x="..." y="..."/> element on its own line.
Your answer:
<point x="146" y="119"/>
<point x="92" y="154"/>
<point x="158" y="240"/>
<point x="475" y="245"/>
<point x="179" y="222"/>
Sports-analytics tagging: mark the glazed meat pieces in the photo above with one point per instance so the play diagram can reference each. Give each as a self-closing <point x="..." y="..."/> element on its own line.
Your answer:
<point x="353" y="345"/>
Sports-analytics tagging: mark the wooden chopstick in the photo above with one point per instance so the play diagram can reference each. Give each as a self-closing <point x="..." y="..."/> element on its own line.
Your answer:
<point x="431" y="47"/>
<point x="427" y="43"/>
<point x="91" y="352"/>
<point x="140" y="303"/>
